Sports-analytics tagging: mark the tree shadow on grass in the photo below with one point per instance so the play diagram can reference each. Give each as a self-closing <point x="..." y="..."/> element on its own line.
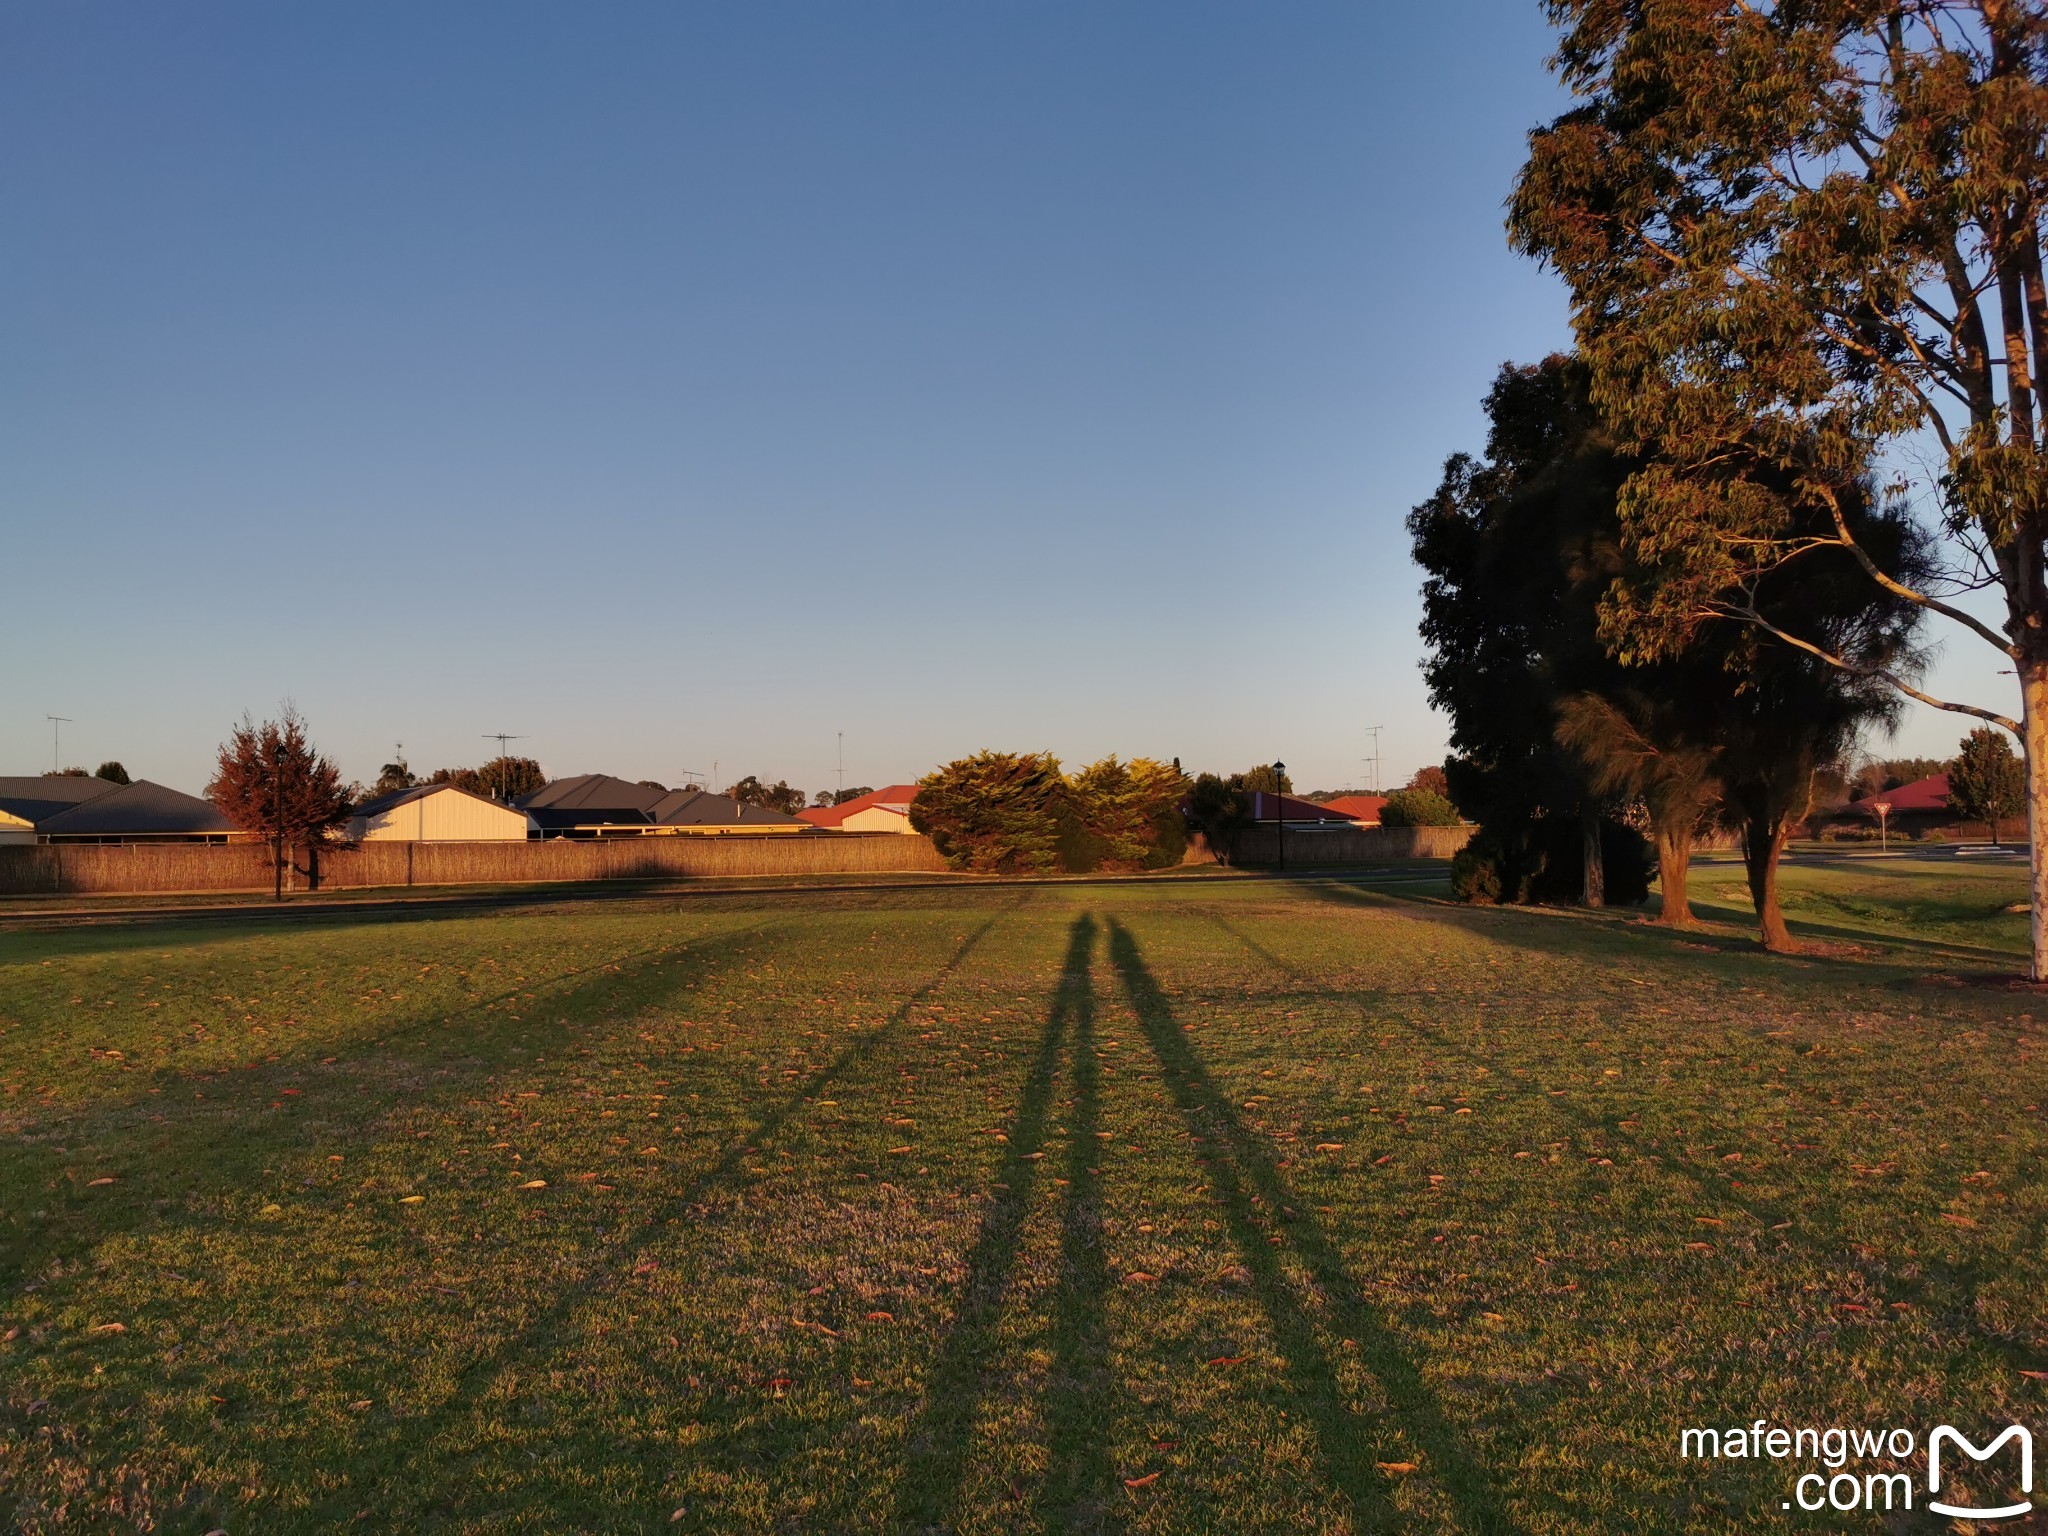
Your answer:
<point x="1245" y="1177"/>
<point x="1820" y="1224"/>
<point x="938" y="1440"/>
<point x="1571" y="931"/>
<point x="212" y="1143"/>
<point x="615" y="1261"/>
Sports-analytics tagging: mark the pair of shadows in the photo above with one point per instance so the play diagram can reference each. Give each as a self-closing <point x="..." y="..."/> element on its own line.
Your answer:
<point x="1081" y="1486"/>
<point x="1076" y="1491"/>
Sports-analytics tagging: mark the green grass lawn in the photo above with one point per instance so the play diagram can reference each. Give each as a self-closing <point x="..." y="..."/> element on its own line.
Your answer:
<point x="1217" y="1206"/>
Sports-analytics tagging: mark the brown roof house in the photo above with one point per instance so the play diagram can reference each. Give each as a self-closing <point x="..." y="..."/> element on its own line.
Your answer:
<point x="69" y="809"/>
<point x="599" y="805"/>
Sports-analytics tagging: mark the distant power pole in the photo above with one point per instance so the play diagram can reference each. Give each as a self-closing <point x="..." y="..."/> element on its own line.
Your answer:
<point x="841" y="786"/>
<point x="1374" y="732"/>
<point x="57" y="724"/>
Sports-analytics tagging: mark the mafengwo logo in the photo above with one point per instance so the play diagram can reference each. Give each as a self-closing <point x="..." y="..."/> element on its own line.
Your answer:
<point x="1844" y="1488"/>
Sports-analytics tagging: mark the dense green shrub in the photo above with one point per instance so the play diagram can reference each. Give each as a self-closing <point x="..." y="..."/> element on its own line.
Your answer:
<point x="1543" y="860"/>
<point x="1418" y="808"/>
<point x="1017" y="813"/>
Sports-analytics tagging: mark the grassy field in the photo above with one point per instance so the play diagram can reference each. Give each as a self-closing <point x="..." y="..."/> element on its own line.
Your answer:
<point x="1219" y="1206"/>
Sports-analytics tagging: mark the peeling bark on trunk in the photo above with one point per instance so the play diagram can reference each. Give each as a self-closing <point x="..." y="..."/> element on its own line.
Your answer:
<point x="1674" y="860"/>
<point x="1596" y="864"/>
<point x="1762" y="842"/>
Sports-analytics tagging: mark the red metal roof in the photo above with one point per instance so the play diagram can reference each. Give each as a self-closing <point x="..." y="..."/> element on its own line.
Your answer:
<point x="1361" y="808"/>
<point x="894" y="797"/>
<point x="1928" y="794"/>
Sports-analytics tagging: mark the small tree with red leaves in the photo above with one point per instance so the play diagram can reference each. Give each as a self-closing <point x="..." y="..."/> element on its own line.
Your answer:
<point x="270" y="780"/>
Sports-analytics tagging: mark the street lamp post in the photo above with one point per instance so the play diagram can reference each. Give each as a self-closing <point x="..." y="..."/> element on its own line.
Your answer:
<point x="1280" y="813"/>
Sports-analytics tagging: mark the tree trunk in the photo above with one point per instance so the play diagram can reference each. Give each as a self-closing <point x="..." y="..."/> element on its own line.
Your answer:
<point x="2034" y="695"/>
<point x="1762" y="843"/>
<point x="1674" y="859"/>
<point x="1596" y="865"/>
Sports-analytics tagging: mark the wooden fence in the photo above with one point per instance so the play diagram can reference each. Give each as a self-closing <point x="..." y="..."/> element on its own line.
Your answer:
<point x="160" y="868"/>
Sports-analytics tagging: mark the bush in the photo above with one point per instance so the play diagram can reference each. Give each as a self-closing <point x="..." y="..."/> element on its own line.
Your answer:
<point x="999" y="813"/>
<point x="1418" y="808"/>
<point x="1543" y="861"/>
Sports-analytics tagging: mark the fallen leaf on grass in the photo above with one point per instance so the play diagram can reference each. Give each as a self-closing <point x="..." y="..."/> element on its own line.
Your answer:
<point x="95" y="1183"/>
<point x="1329" y="1146"/>
<point x="1700" y="1247"/>
<point x="359" y="1405"/>
<point x="1140" y="1277"/>
<point x="411" y="1199"/>
<point x="881" y="1317"/>
<point x="109" y="1328"/>
<point x="1401" y="1467"/>
<point x="1142" y="1482"/>
<point x="1230" y="1360"/>
<point x="1378" y="1161"/>
<point x="1955" y="1220"/>
<point x="2035" y="1375"/>
<point x="898" y="1151"/>
<point x="535" y="1184"/>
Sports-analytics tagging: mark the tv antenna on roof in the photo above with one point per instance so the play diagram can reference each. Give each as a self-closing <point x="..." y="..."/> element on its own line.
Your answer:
<point x="841" y="770"/>
<point x="57" y="724"/>
<point x="501" y="737"/>
<point x="1374" y="732"/>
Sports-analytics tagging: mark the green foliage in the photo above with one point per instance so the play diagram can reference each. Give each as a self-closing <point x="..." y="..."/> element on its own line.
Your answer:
<point x="68" y="773"/>
<point x="1130" y="813"/>
<point x="502" y="778"/>
<point x="1418" y="808"/>
<point x="112" y="772"/>
<point x="1543" y="861"/>
<point x="997" y="812"/>
<point x="1263" y="780"/>
<point x="1219" y="809"/>
<point x="825" y="797"/>
<point x="771" y="797"/>
<point x="1987" y="782"/>
<point x="1432" y="778"/>
<point x="1794" y="234"/>
<point x="1009" y="813"/>
<point x="392" y="778"/>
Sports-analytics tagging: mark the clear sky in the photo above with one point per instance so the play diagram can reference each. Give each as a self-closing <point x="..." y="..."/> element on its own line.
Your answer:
<point x="682" y="384"/>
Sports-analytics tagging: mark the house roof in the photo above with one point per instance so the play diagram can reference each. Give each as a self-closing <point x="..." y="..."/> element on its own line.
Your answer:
<point x="1928" y="794"/>
<point x="1357" y="807"/>
<point x="36" y="799"/>
<point x="593" y="792"/>
<point x="1266" y="807"/>
<point x="398" y="797"/>
<point x="141" y="807"/>
<point x="893" y="797"/>
<point x="701" y="808"/>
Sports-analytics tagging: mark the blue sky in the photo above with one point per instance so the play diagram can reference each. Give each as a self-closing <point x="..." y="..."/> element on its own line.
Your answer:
<point x="679" y="385"/>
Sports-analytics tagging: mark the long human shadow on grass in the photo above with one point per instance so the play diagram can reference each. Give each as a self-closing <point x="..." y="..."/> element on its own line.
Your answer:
<point x="937" y="1440"/>
<point x="1244" y="1176"/>
<point x="614" y="1263"/>
<point x="216" y="1142"/>
<point x="1827" y="1231"/>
